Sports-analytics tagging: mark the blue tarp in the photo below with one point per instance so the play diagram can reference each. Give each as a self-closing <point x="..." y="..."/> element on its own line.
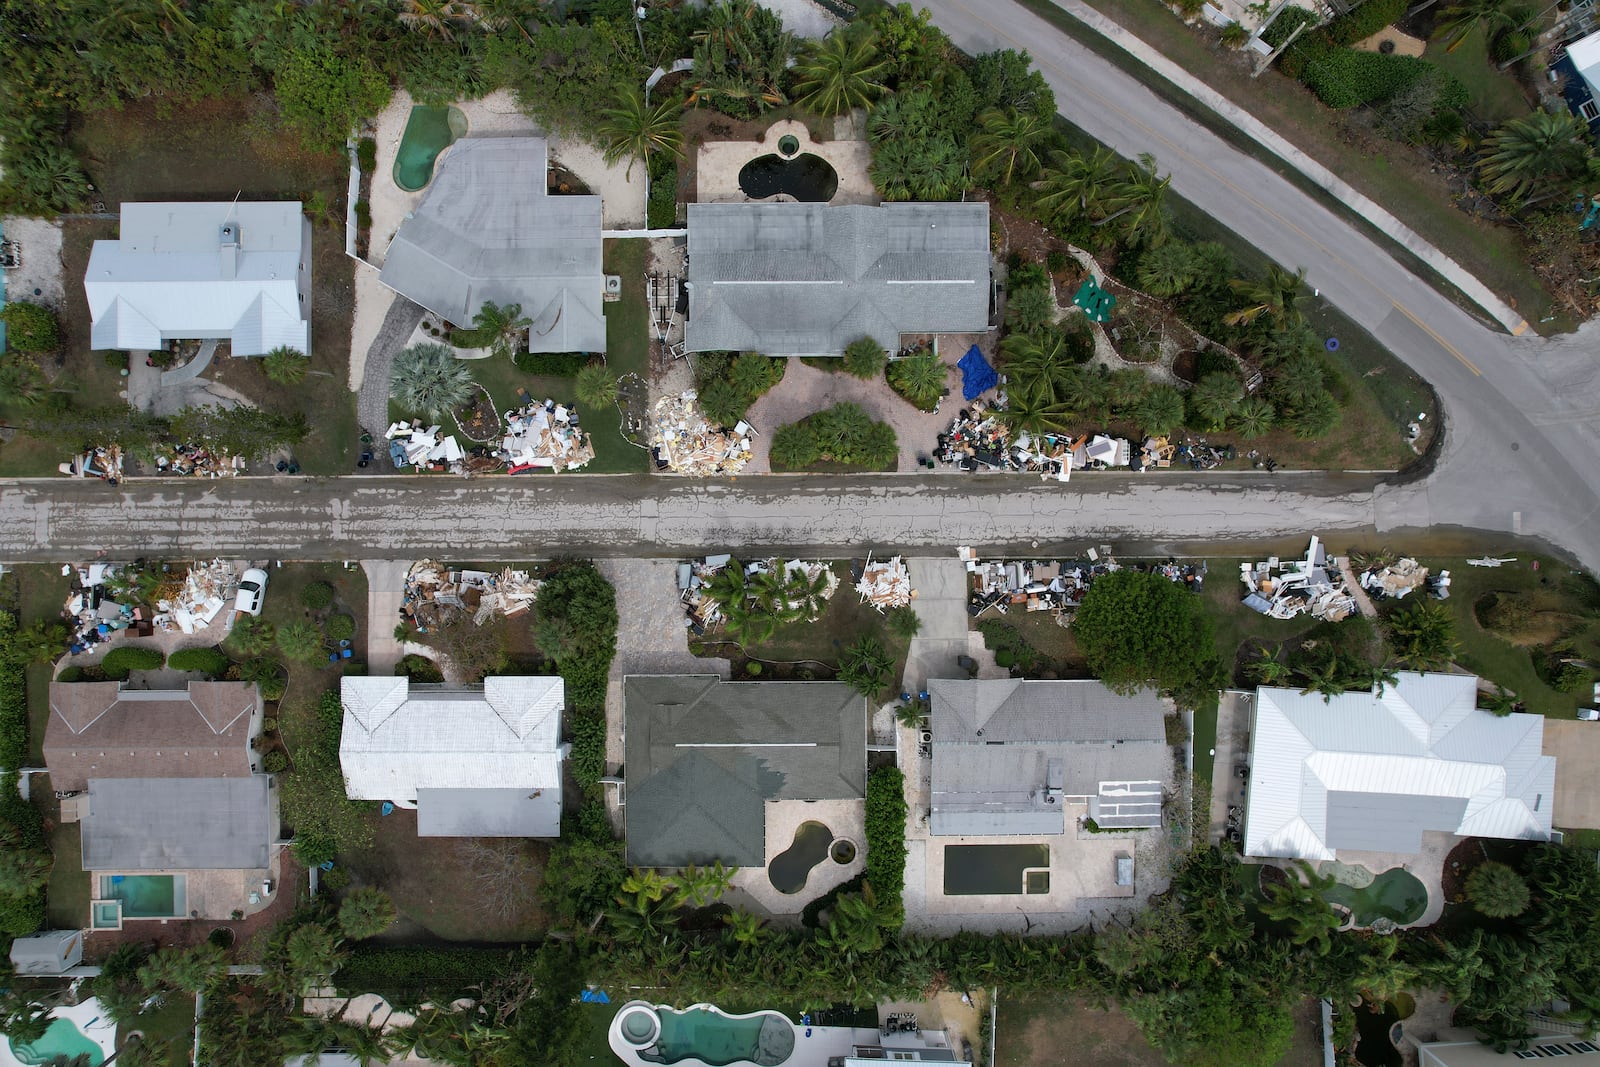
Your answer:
<point x="977" y="377"/>
<point x="594" y="996"/>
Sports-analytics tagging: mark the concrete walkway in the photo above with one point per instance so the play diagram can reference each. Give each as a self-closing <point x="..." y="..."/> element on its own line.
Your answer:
<point x="192" y="369"/>
<point x="386" y="583"/>
<point x="1324" y="178"/>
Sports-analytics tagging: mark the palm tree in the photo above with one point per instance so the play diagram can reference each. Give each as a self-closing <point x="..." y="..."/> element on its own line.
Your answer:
<point x="429" y="379"/>
<point x="1456" y="22"/>
<point x="1272" y="298"/>
<point x="22" y="381"/>
<point x="1325" y="678"/>
<point x="311" y="952"/>
<point x="1138" y="200"/>
<point x="1299" y="378"/>
<point x="1298" y="903"/>
<point x="192" y="970"/>
<point x="701" y="886"/>
<point x="1030" y="412"/>
<point x="1253" y="417"/>
<point x="644" y="885"/>
<point x="633" y="129"/>
<point x="1424" y="636"/>
<point x="23" y="871"/>
<point x="1161" y="410"/>
<point x="1124" y="389"/>
<point x="807" y="595"/>
<point x="1039" y="365"/>
<point x="505" y="325"/>
<point x="741" y="57"/>
<point x="49" y="179"/>
<point x="596" y="386"/>
<point x="1501" y="702"/>
<point x="1537" y="156"/>
<point x="924" y="168"/>
<point x="920" y="378"/>
<point x="1497" y="891"/>
<point x="1076" y="185"/>
<point x="745" y="928"/>
<point x="366" y="912"/>
<point x="1168" y="269"/>
<point x="1268" y="668"/>
<point x="841" y="72"/>
<point x="1007" y="146"/>
<point x="431" y="18"/>
<point x="285" y="365"/>
<point x="1315" y="417"/>
<point x="1215" y="398"/>
<point x="904" y="622"/>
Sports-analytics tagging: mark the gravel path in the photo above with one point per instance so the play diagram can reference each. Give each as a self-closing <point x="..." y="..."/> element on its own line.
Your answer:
<point x="372" y="402"/>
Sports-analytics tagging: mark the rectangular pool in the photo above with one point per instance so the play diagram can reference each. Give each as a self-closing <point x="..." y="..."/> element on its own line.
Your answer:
<point x="996" y="870"/>
<point x="147" y="896"/>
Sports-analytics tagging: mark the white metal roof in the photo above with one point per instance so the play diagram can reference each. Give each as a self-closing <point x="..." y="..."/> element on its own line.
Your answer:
<point x="1366" y="771"/>
<point x="1585" y="55"/>
<point x="239" y="271"/>
<point x="400" y="738"/>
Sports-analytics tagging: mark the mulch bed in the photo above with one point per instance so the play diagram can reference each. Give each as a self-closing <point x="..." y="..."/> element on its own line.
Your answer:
<point x="479" y="421"/>
<point x="1457" y="865"/>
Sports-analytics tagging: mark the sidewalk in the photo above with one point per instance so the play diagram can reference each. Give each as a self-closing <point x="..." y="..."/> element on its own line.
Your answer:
<point x="1324" y="178"/>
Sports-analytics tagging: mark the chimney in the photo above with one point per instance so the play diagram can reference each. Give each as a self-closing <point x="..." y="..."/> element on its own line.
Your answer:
<point x="229" y="248"/>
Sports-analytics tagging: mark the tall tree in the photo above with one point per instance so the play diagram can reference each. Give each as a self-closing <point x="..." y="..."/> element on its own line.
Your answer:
<point x="1456" y="22"/>
<point x="365" y="912"/>
<point x="1497" y="890"/>
<point x="841" y="72"/>
<point x="1536" y="157"/>
<point x="1008" y="145"/>
<point x="505" y="325"/>
<point x="429" y="379"/>
<point x="1272" y="298"/>
<point x="1137" y="204"/>
<point x="634" y="130"/>
<point x="1423" y="636"/>
<point x="1136" y="628"/>
<point x="1076" y="186"/>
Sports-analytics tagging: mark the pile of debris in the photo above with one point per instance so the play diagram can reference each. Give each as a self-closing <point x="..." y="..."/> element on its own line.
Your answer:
<point x="410" y="444"/>
<point x="1054" y="585"/>
<point x="1396" y="580"/>
<point x="432" y="589"/>
<point x="683" y="441"/>
<point x="885" y="584"/>
<point x="92" y="611"/>
<point x="103" y="463"/>
<point x="193" y="461"/>
<point x="544" y="437"/>
<point x="1160" y="452"/>
<point x="704" y="612"/>
<point x="1283" y="589"/>
<point x="206" y="590"/>
<point x="978" y="440"/>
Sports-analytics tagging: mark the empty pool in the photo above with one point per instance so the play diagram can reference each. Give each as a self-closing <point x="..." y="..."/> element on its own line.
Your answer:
<point x="147" y="896"/>
<point x="996" y="870"/>
<point x="429" y="131"/>
<point x="807" y="178"/>
<point x="789" y="869"/>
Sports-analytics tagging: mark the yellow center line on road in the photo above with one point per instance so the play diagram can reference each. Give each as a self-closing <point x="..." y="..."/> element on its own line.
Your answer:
<point x="1110" y="106"/>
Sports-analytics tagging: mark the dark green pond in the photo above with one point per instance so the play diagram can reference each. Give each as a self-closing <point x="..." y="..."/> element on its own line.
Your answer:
<point x="790" y="868"/>
<point x="992" y="870"/>
<point x="808" y="178"/>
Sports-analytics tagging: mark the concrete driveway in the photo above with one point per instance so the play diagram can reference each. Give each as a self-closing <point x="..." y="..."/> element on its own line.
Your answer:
<point x="941" y="605"/>
<point x="1576" y="746"/>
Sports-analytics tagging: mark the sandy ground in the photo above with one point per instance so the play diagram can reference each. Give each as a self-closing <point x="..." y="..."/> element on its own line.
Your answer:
<point x="805" y="390"/>
<point x="803" y="18"/>
<point x="373" y="300"/>
<point x="718" y="163"/>
<point x="40" y="243"/>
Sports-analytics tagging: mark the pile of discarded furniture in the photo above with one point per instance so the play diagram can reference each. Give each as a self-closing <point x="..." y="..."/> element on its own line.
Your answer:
<point x="1313" y="585"/>
<point x="103" y="463"/>
<point x="685" y="442"/>
<point x="544" y="437"/>
<point x="1401" y="578"/>
<point x="433" y="590"/>
<point x="207" y="589"/>
<point x="979" y="440"/>
<point x="193" y="461"/>
<point x="1054" y="585"/>
<point x="426" y="448"/>
<point x="93" y="614"/>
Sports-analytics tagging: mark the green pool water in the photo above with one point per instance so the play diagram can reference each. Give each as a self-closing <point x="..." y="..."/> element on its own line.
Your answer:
<point x="994" y="870"/>
<point x="1395" y="894"/>
<point x="429" y="131"/>
<point x="716" y="1039"/>
<point x="789" y="869"/>
<point x="146" y="896"/>
<point x="62" y="1039"/>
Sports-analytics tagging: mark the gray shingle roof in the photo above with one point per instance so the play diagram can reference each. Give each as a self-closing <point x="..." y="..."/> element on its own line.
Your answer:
<point x="704" y="756"/>
<point x="808" y="279"/>
<point x="177" y="824"/>
<point x="1007" y="752"/>
<point x="486" y="230"/>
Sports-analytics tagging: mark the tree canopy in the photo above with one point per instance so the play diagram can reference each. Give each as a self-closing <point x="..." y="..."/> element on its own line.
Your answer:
<point x="1136" y="628"/>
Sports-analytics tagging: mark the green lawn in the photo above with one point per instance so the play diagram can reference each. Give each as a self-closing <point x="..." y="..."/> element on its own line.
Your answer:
<point x="1492" y="94"/>
<point x="596" y="1048"/>
<point x="1386" y="172"/>
<point x="171" y="1024"/>
<point x="67" y="896"/>
<point x="1235" y="624"/>
<point x="628" y="319"/>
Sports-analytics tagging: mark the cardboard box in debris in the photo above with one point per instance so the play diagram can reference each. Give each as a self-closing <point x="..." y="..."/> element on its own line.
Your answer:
<point x="433" y="590"/>
<point x="702" y="613"/>
<point x="1056" y="586"/>
<point x="682" y="440"/>
<point x="978" y="440"/>
<point x="537" y="436"/>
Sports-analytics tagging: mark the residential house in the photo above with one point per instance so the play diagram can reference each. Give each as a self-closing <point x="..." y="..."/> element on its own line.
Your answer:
<point x="1009" y="756"/>
<point x="142" y="768"/>
<point x="1457" y="1047"/>
<point x="704" y="758"/>
<point x="234" y="271"/>
<point x="1374" y="771"/>
<point x="1579" y="68"/>
<point x="808" y="279"/>
<point x="473" y="760"/>
<point x="487" y="230"/>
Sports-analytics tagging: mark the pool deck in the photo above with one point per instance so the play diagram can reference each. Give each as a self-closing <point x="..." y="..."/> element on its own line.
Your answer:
<point x="846" y="818"/>
<point x="718" y="163"/>
<point x="91" y="1021"/>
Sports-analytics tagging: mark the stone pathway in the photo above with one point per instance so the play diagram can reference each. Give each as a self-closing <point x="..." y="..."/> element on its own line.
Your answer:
<point x="372" y="402"/>
<point x="192" y="369"/>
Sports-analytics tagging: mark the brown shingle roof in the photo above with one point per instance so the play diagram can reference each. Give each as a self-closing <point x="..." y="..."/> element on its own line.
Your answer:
<point x="99" y="730"/>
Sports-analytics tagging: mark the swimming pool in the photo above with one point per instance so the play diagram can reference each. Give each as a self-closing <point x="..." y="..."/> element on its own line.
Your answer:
<point x="808" y="178"/>
<point x="789" y="869"/>
<point x="62" y="1039"/>
<point x="702" y="1033"/>
<point x="429" y="131"/>
<point x="996" y="870"/>
<point x="1396" y="895"/>
<point x="147" y="896"/>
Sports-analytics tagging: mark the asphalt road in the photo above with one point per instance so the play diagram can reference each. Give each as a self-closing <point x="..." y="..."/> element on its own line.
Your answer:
<point x="1521" y="453"/>
<point x="528" y="517"/>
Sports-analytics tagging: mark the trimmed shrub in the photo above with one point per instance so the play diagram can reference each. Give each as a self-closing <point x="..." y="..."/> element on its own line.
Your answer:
<point x="275" y="762"/>
<point x="1346" y="78"/>
<point x="864" y="358"/>
<point x="30" y="328"/>
<point x="663" y="208"/>
<point x="367" y="153"/>
<point x="419" y="668"/>
<point x="381" y="968"/>
<point x="316" y="596"/>
<point x="13" y="699"/>
<point x="205" y="660"/>
<point x="886" y="833"/>
<point x="126" y="658"/>
<point x="552" y="364"/>
<point x="340" y="627"/>
<point x="1286" y="23"/>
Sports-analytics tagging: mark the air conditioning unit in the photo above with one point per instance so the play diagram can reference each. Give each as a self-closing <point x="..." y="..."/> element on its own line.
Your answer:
<point x="613" y="285"/>
<point x="925" y="737"/>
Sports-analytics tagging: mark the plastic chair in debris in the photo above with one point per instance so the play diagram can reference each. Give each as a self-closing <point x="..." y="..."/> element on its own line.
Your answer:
<point x="977" y="376"/>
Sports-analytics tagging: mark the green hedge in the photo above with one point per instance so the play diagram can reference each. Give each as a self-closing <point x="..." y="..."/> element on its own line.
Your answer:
<point x="124" y="658"/>
<point x="663" y="208"/>
<point x="20" y="915"/>
<point x="377" y="968"/>
<point x="554" y="364"/>
<point x="588" y="746"/>
<point x="13" y="700"/>
<point x="886" y="833"/>
<point x="1347" y="78"/>
<point x="206" y="660"/>
<point x="1365" y="21"/>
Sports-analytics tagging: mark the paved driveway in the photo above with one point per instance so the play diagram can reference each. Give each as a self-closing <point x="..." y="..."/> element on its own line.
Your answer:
<point x="1576" y="746"/>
